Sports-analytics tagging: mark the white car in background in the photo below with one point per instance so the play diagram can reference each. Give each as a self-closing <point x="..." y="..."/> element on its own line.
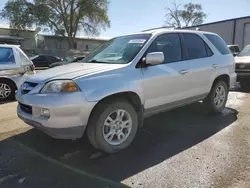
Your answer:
<point x="15" y="68"/>
<point x="242" y="67"/>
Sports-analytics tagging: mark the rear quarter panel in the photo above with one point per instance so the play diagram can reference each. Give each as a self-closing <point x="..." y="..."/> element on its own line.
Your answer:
<point x="226" y="63"/>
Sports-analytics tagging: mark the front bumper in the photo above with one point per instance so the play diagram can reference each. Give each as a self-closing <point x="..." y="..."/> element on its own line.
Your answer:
<point x="69" y="113"/>
<point x="243" y="74"/>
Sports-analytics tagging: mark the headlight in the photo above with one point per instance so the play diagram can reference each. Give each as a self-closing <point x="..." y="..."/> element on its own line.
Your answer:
<point x="60" y="86"/>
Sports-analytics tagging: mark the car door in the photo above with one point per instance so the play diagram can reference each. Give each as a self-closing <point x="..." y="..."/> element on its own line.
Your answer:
<point x="166" y="84"/>
<point x="8" y="65"/>
<point x="199" y="56"/>
<point x="51" y="59"/>
<point x="40" y="61"/>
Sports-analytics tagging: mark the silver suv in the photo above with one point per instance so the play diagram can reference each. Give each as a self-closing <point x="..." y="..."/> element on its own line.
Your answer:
<point x="123" y="81"/>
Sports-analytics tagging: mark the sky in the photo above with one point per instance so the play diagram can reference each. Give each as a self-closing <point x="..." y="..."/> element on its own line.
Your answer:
<point x="130" y="16"/>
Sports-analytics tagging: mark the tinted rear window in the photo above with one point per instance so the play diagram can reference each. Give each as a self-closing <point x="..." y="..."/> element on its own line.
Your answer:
<point x="6" y="56"/>
<point x="219" y="43"/>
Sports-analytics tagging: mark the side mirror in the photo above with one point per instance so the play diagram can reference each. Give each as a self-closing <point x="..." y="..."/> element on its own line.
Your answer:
<point x="235" y="54"/>
<point x="154" y="58"/>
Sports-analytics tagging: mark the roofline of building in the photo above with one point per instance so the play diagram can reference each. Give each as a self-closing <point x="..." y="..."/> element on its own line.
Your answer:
<point x="7" y="37"/>
<point x="79" y="37"/>
<point x="6" y="26"/>
<point x="222" y="21"/>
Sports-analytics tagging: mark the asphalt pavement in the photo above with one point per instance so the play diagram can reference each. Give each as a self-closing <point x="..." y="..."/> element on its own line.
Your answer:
<point x="185" y="147"/>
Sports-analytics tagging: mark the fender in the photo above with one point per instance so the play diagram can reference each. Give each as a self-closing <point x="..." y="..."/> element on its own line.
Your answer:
<point x="98" y="86"/>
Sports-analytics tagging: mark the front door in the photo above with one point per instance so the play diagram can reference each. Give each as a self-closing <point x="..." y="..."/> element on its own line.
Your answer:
<point x="166" y="84"/>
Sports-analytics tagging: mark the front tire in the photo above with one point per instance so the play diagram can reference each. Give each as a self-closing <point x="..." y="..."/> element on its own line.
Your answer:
<point x="216" y="100"/>
<point x="7" y="90"/>
<point x="112" y="126"/>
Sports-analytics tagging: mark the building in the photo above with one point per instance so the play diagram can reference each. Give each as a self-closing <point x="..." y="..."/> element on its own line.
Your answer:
<point x="34" y="43"/>
<point x="233" y="31"/>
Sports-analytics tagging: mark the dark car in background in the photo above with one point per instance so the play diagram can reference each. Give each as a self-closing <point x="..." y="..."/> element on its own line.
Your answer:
<point x="66" y="61"/>
<point x="44" y="61"/>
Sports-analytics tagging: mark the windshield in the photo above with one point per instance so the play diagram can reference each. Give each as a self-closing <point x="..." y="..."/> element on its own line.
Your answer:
<point x="119" y="50"/>
<point x="245" y="51"/>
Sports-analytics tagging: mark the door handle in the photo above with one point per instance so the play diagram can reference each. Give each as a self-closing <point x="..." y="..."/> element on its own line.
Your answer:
<point x="183" y="72"/>
<point x="215" y="65"/>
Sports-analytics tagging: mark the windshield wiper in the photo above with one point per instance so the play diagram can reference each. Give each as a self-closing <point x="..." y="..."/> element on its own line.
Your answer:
<point x="96" y="61"/>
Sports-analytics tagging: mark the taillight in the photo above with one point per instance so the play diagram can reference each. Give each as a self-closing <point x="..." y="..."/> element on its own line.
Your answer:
<point x="33" y="68"/>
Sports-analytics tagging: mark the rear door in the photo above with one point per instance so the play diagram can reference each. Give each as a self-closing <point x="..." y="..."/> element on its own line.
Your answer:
<point x="198" y="55"/>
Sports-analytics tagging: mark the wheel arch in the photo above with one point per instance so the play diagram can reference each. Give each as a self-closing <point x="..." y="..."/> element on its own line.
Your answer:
<point x="130" y="96"/>
<point x="9" y="80"/>
<point x="223" y="77"/>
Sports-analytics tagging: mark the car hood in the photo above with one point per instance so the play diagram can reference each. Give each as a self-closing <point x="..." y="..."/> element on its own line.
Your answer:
<point x="71" y="71"/>
<point x="244" y="59"/>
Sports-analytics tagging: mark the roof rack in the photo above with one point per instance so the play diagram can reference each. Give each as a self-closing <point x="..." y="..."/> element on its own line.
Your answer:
<point x="164" y="27"/>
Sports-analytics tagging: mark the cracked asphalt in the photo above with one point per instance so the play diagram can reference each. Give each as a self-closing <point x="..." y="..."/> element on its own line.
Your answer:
<point x="184" y="147"/>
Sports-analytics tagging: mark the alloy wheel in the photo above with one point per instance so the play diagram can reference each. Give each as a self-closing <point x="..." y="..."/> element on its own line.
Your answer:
<point x="220" y="96"/>
<point x="5" y="91"/>
<point x="117" y="127"/>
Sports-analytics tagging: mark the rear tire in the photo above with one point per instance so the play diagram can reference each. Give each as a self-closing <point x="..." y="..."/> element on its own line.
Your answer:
<point x="7" y="90"/>
<point x="112" y="126"/>
<point x="216" y="100"/>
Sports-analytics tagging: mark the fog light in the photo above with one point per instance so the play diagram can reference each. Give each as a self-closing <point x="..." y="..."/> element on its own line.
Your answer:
<point x="45" y="112"/>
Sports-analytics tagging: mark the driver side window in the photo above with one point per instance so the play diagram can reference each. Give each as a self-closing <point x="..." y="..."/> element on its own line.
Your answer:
<point x="169" y="45"/>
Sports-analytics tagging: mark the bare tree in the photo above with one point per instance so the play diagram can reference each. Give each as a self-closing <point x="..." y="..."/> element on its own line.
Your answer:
<point x="173" y="16"/>
<point x="62" y="17"/>
<point x="184" y="16"/>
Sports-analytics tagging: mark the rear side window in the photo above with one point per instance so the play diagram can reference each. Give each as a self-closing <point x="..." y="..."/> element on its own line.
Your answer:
<point x="195" y="47"/>
<point x="40" y="58"/>
<point x="23" y="58"/>
<point x="51" y="58"/>
<point x="6" y="56"/>
<point x="219" y="43"/>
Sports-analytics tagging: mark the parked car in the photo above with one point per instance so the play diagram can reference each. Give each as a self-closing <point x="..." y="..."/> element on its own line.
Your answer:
<point x="15" y="67"/>
<point x="242" y="67"/>
<point x="235" y="50"/>
<point x="66" y="61"/>
<point x="44" y="61"/>
<point x="109" y="96"/>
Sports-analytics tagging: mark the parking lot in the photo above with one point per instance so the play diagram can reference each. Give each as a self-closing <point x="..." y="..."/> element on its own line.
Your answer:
<point x="185" y="147"/>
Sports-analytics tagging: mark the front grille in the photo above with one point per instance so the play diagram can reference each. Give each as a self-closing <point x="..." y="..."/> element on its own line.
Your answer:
<point x="26" y="108"/>
<point x="27" y="87"/>
<point x="242" y="66"/>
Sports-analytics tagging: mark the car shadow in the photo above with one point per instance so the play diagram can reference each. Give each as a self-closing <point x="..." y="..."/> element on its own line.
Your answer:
<point x="162" y="136"/>
<point x="6" y="101"/>
<point x="238" y="88"/>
